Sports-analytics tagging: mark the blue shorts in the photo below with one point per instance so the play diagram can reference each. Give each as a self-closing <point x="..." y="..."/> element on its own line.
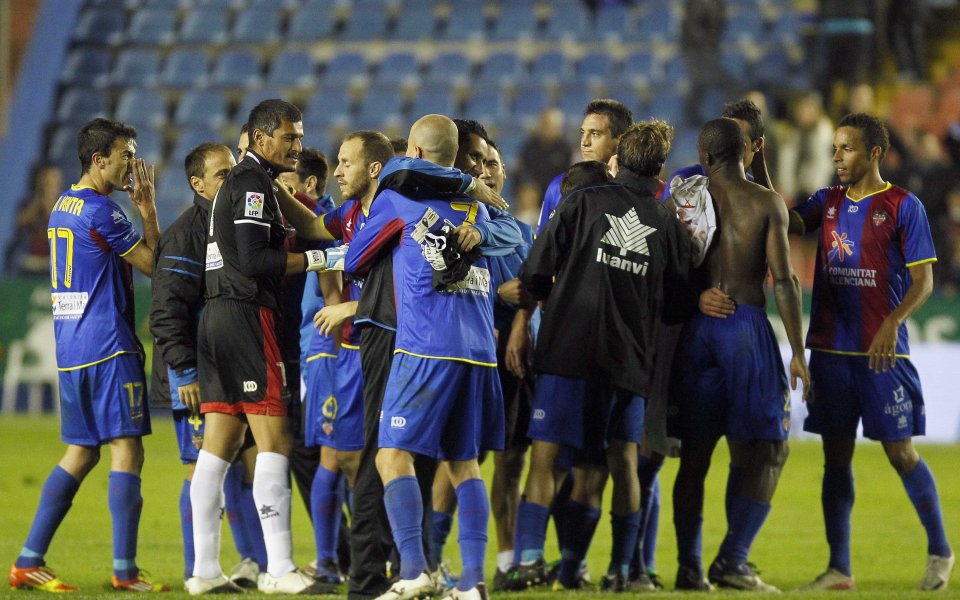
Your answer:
<point x="846" y="390"/>
<point x="579" y="414"/>
<point x="728" y="379"/>
<point x="446" y="409"/>
<point x="104" y="401"/>
<point x="320" y="404"/>
<point x="348" y="424"/>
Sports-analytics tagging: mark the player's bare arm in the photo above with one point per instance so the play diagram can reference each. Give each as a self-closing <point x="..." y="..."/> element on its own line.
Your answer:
<point x="786" y="289"/>
<point x="883" y="348"/>
<point x="143" y="196"/>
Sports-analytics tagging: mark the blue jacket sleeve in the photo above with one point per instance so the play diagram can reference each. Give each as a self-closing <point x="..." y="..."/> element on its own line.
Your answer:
<point x="416" y="178"/>
<point x="499" y="235"/>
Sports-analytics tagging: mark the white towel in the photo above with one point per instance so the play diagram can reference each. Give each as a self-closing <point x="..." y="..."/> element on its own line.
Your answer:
<point x="695" y="211"/>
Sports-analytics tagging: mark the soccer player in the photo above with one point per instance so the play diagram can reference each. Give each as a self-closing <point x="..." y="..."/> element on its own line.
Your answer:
<point x="728" y="377"/>
<point x="445" y="353"/>
<point x="873" y="270"/>
<point x="239" y="362"/>
<point x="93" y="248"/>
<point x="174" y="315"/>
<point x="605" y="264"/>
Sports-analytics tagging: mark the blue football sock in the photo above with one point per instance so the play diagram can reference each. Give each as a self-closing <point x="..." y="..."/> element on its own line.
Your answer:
<point x="251" y="524"/>
<point x="126" y="504"/>
<point x="325" y="508"/>
<point x="441" y="523"/>
<point x="233" y="501"/>
<point x="743" y="524"/>
<point x="474" y="511"/>
<point x="922" y="490"/>
<point x="405" y="512"/>
<point x="186" y="527"/>
<point x="624" y="530"/>
<point x="689" y="537"/>
<point x="55" y="500"/>
<point x="837" y="495"/>
<point x="650" y="528"/>
<point x="531" y="531"/>
<point x="585" y="518"/>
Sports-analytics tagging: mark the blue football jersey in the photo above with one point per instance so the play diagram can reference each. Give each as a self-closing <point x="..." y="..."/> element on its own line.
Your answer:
<point x="91" y="286"/>
<point x="453" y="324"/>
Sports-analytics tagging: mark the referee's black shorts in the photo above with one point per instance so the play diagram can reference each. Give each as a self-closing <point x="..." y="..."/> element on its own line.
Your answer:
<point x="238" y="360"/>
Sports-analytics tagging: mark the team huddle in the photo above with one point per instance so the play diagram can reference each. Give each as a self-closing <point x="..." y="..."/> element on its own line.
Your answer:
<point x="431" y="330"/>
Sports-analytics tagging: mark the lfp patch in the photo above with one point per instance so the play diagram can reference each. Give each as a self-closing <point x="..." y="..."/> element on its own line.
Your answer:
<point x="254" y="205"/>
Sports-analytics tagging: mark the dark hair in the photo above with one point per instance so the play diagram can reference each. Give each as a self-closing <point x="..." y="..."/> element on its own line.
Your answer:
<point x="374" y="147"/>
<point x="584" y="174"/>
<point x="466" y="127"/>
<point x="313" y="162"/>
<point x="617" y="113"/>
<point x="98" y="136"/>
<point x="193" y="163"/>
<point x="746" y="110"/>
<point x="873" y="129"/>
<point x="644" y="147"/>
<point x="722" y="139"/>
<point x="267" y="116"/>
<point x="399" y="144"/>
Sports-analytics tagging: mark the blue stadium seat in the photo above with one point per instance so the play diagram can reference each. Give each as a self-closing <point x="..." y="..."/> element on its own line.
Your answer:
<point x="640" y="65"/>
<point x="446" y="65"/>
<point x="327" y="106"/>
<point x="136" y="67"/>
<point x="152" y="26"/>
<point x="433" y="98"/>
<point x="292" y="68"/>
<point x="516" y="20"/>
<point x="397" y="67"/>
<point x="500" y="68"/>
<point x="529" y="101"/>
<point x="416" y="23"/>
<point x="100" y="26"/>
<point x="79" y="105"/>
<point x="596" y="67"/>
<point x="615" y="23"/>
<point x="365" y="25"/>
<point x="550" y="66"/>
<point x="141" y="107"/>
<point x="380" y="103"/>
<point x="345" y="66"/>
<point x="201" y="107"/>
<point x="237" y="68"/>
<point x="486" y="105"/>
<point x="465" y="22"/>
<point x="85" y="65"/>
<point x="256" y="26"/>
<point x="204" y="26"/>
<point x="307" y="27"/>
<point x="185" y="69"/>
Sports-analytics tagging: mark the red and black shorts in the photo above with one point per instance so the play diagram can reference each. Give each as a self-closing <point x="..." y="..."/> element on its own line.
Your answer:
<point x="238" y="359"/>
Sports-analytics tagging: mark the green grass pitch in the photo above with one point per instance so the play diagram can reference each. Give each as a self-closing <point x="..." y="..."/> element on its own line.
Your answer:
<point x="889" y="547"/>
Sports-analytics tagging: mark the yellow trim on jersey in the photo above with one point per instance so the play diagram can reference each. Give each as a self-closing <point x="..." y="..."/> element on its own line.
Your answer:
<point x="96" y="362"/>
<point x="320" y="355"/>
<point x="843" y="353"/>
<point x="349" y="346"/>
<point x="132" y="247"/>
<point x="883" y="189"/>
<point x="463" y="360"/>
<point x="922" y="262"/>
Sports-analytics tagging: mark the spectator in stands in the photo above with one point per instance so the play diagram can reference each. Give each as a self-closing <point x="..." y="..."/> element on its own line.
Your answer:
<point x="804" y="165"/>
<point x="28" y="252"/>
<point x="704" y="22"/>
<point x="542" y="155"/>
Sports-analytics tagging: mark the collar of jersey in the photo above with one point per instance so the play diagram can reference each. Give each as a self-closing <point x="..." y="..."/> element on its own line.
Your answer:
<point x="846" y="193"/>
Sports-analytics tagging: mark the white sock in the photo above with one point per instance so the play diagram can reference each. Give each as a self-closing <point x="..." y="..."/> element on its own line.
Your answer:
<point x="271" y="492"/>
<point x="505" y="560"/>
<point x="206" y="498"/>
